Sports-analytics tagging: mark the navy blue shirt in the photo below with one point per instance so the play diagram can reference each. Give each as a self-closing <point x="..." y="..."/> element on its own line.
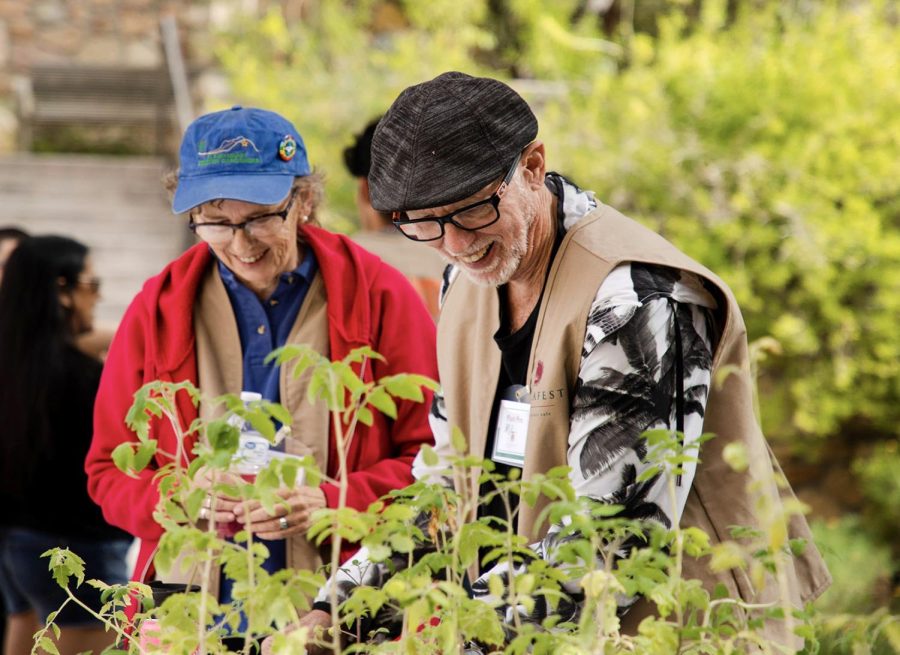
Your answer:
<point x="264" y="326"/>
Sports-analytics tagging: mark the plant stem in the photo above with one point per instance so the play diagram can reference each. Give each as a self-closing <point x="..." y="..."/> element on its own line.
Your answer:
<point x="336" y="536"/>
<point x="679" y="552"/>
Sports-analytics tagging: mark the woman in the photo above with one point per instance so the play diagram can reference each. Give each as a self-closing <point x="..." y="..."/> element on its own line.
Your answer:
<point x="47" y="299"/>
<point x="262" y="276"/>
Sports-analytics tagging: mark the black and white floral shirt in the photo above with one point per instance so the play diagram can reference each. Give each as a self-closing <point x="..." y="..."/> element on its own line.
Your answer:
<point x="627" y="384"/>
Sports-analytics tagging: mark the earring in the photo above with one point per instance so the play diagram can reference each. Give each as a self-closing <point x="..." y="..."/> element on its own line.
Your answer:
<point x="303" y="219"/>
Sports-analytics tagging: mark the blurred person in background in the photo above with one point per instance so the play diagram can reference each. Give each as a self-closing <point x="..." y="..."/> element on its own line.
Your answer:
<point x="377" y="234"/>
<point x="47" y="299"/>
<point x="95" y="341"/>
<point x="263" y="275"/>
<point x="9" y="239"/>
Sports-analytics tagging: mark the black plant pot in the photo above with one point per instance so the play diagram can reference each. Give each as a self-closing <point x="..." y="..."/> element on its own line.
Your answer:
<point x="162" y="590"/>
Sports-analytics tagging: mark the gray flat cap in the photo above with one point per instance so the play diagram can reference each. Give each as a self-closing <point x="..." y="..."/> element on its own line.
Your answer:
<point x="443" y="140"/>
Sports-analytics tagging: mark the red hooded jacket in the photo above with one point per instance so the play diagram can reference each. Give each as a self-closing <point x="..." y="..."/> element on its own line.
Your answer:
<point x="369" y="303"/>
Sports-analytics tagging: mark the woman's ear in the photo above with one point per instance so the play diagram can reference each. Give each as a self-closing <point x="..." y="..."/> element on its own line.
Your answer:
<point x="65" y="296"/>
<point x="303" y="205"/>
<point x="535" y="165"/>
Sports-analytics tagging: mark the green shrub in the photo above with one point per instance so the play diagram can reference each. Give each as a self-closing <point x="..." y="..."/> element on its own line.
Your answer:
<point x="858" y="562"/>
<point x="766" y="148"/>
<point x="879" y="476"/>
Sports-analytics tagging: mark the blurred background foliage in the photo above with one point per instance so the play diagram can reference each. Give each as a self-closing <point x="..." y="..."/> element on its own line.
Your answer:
<point x="763" y="137"/>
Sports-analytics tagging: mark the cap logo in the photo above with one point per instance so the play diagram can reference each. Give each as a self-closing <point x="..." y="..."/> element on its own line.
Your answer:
<point x="236" y="150"/>
<point x="287" y="148"/>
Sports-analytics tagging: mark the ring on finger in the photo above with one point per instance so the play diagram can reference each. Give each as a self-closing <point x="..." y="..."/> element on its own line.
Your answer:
<point x="283" y="522"/>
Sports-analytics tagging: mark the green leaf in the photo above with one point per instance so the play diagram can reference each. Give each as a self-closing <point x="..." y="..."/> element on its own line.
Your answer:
<point x="47" y="644"/>
<point x="365" y="416"/>
<point x="429" y="456"/>
<point x="144" y="454"/>
<point x="380" y="399"/>
<point x="407" y="387"/>
<point x="458" y="441"/>
<point x="123" y="458"/>
<point x="278" y="412"/>
<point x="223" y="439"/>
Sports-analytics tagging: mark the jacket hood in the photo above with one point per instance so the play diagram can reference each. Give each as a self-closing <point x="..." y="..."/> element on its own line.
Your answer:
<point x="348" y="273"/>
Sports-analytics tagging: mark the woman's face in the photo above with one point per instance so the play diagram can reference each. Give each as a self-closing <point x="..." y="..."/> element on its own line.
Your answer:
<point x="84" y="296"/>
<point x="257" y="260"/>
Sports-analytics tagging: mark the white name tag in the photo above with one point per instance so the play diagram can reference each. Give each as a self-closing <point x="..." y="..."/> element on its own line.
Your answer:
<point x="512" y="433"/>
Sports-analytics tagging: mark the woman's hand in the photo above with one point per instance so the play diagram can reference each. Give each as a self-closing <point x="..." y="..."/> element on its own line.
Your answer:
<point x="206" y="478"/>
<point x="292" y="516"/>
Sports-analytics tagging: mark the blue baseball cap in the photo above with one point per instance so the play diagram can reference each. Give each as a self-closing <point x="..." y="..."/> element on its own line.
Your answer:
<point x="239" y="154"/>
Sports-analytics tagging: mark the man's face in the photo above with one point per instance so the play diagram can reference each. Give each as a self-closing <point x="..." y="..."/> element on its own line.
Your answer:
<point x="490" y="256"/>
<point x="257" y="258"/>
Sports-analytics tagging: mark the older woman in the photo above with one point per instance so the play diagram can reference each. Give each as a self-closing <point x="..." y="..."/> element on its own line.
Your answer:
<point x="263" y="276"/>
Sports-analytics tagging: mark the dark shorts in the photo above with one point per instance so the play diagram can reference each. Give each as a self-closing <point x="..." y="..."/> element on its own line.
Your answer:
<point x="26" y="582"/>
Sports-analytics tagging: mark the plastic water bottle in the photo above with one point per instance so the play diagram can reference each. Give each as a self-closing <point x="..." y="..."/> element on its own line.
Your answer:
<point x="253" y="449"/>
<point x="252" y="456"/>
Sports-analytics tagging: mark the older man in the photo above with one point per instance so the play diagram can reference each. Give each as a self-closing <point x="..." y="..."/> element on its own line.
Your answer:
<point x="560" y="309"/>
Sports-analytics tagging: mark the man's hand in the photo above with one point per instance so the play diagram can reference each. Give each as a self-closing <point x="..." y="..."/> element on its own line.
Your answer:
<point x="317" y="622"/>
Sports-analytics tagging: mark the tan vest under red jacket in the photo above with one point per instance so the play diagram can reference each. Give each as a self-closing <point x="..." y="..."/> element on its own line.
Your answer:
<point x="469" y="364"/>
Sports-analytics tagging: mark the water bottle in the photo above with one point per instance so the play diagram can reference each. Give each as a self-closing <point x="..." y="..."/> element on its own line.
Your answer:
<point x="253" y="449"/>
<point x="251" y="457"/>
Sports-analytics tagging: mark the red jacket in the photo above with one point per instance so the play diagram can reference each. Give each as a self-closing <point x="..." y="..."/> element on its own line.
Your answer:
<point x="369" y="303"/>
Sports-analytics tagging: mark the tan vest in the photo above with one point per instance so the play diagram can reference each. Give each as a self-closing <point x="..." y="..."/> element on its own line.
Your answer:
<point x="220" y="370"/>
<point x="469" y="364"/>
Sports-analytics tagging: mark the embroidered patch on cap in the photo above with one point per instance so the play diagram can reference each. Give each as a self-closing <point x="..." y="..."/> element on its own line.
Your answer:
<point x="287" y="148"/>
<point x="236" y="150"/>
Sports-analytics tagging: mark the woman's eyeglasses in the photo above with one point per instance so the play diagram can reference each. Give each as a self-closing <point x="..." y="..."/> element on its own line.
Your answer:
<point x="91" y="283"/>
<point x="258" y="227"/>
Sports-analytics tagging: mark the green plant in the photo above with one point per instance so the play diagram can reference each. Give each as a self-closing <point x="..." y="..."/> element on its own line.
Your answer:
<point x="851" y="634"/>
<point x="196" y="621"/>
<point x="879" y="476"/>
<point x="431" y="562"/>
<point x="859" y="564"/>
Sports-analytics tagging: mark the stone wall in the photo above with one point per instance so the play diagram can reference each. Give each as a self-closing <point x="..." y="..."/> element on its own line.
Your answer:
<point x="103" y="32"/>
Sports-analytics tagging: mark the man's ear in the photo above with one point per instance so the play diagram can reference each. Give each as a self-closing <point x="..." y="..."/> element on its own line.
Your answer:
<point x="535" y="165"/>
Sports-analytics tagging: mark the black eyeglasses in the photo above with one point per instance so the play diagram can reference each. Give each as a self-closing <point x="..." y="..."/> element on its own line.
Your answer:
<point x="472" y="217"/>
<point x="259" y="227"/>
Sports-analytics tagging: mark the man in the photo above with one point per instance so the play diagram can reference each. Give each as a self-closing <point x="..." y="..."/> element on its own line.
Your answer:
<point x="605" y="329"/>
<point x="421" y="266"/>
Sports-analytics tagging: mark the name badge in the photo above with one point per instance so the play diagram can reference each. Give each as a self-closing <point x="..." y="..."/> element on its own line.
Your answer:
<point x="511" y="434"/>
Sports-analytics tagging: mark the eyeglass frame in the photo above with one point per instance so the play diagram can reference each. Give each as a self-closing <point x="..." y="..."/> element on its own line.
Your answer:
<point x="91" y="283"/>
<point x="283" y="214"/>
<point x="494" y="200"/>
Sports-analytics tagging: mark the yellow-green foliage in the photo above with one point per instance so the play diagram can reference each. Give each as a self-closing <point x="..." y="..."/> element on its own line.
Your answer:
<point x="766" y="147"/>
